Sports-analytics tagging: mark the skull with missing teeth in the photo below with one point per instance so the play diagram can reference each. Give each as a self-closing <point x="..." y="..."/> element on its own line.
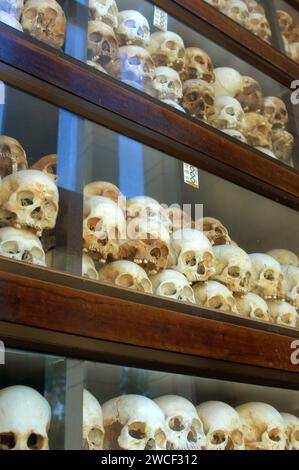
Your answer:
<point x="29" y="199"/>
<point x="172" y="284"/>
<point x="274" y="109"/>
<point x="102" y="44"/>
<point x="198" y="99"/>
<point x="21" y="245"/>
<point x="167" y="49"/>
<point x="167" y="84"/>
<point x="93" y="429"/>
<point x="198" y="65"/>
<point x="12" y="156"/>
<point x="104" y="10"/>
<point x="267" y="277"/>
<point x="133" y="28"/>
<point x="103" y="227"/>
<point x="257" y="130"/>
<point x="133" y="422"/>
<point x="214" y="295"/>
<point x="233" y="268"/>
<point x="228" y="113"/>
<point x="184" y="429"/>
<point x="191" y="254"/>
<point x="251" y="97"/>
<point x="45" y="20"/>
<point x="126" y="274"/>
<point x="253" y="306"/>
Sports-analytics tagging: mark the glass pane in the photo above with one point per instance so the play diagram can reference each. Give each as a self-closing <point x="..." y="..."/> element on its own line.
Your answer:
<point x="144" y="409"/>
<point x="288" y="22"/>
<point x="133" y="42"/>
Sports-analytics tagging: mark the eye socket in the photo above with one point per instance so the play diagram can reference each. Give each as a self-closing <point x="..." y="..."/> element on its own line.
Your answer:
<point x="171" y="45"/>
<point x="137" y="430"/>
<point x="275" y="435"/>
<point x="25" y="198"/>
<point x="189" y="258"/>
<point x="176" y="423"/>
<point x="134" y="61"/>
<point x="234" y="271"/>
<point x="35" y="441"/>
<point x="94" y="224"/>
<point x="95" y="437"/>
<point x="269" y="275"/>
<point x="10" y="247"/>
<point x="130" y="24"/>
<point x="7" y="441"/>
<point x="95" y="37"/>
<point x="125" y="280"/>
<point x="217" y="438"/>
<point x="169" y="289"/>
<point x="199" y="60"/>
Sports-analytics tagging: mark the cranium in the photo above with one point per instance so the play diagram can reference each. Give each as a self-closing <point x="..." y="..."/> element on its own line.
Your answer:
<point x="21" y="245"/>
<point x="10" y="20"/>
<point x="267" y="277"/>
<point x="198" y="65"/>
<point x="102" y="43"/>
<point x="191" y="254"/>
<point x="12" y="156"/>
<point x="292" y="423"/>
<point x="222" y="426"/>
<point x="174" y="104"/>
<point x="172" y="284"/>
<point x="178" y="218"/>
<point x="198" y="99"/>
<point x="263" y="427"/>
<point x="126" y="274"/>
<point x="292" y="34"/>
<point x="228" y="82"/>
<point x="291" y="276"/>
<point x="233" y="268"/>
<point x="255" y="7"/>
<point x="228" y="113"/>
<point x="133" y="422"/>
<point x="253" y="306"/>
<point x="29" y="199"/>
<point x="275" y="111"/>
<point x="251" y="97"/>
<point x="283" y="313"/>
<point x="146" y="207"/>
<point x="167" y="49"/>
<point x="25" y="417"/>
<point x="88" y="268"/>
<point x="237" y="11"/>
<point x="45" y="20"/>
<point x="257" y="130"/>
<point x="284" y="256"/>
<point x="214" y="230"/>
<point x="259" y="25"/>
<point x="12" y="7"/>
<point x="235" y="134"/>
<point x="184" y="429"/>
<point x="133" y="28"/>
<point x="48" y="165"/>
<point x="147" y="244"/>
<point x="293" y="51"/>
<point x="219" y="4"/>
<point x="285" y="20"/>
<point x="103" y="227"/>
<point x="134" y="64"/>
<point x="104" y="10"/>
<point x="283" y="145"/>
<point x="214" y="295"/>
<point x="93" y="429"/>
<point x="105" y="189"/>
<point x="167" y="84"/>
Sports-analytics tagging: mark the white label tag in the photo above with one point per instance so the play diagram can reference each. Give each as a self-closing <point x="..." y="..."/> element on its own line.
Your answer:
<point x="2" y="93"/>
<point x="160" y="19"/>
<point x="191" y="175"/>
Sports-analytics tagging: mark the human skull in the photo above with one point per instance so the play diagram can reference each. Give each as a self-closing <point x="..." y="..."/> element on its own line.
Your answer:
<point x="253" y="306"/>
<point x="283" y="145"/>
<point x="184" y="429"/>
<point x="105" y="189"/>
<point x="198" y="65"/>
<point x="93" y="429"/>
<point x="255" y="7"/>
<point x="101" y="43"/>
<point x="10" y="20"/>
<point x="219" y="4"/>
<point x="25" y="417"/>
<point x="291" y="277"/>
<point x="134" y="64"/>
<point x="146" y="207"/>
<point x="12" y="7"/>
<point x="167" y="84"/>
<point x="178" y="218"/>
<point x="292" y="423"/>
<point x="222" y="426"/>
<point x="48" y="165"/>
<point x="284" y="256"/>
<point x="12" y="156"/>
<point x="147" y="244"/>
<point x="258" y="24"/>
<point x="214" y="230"/>
<point x="103" y="227"/>
<point x="263" y="427"/>
<point x="228" y="113"/>
<point x="228" y="82"/>
<point x="21" y="245"/>
<point x="214" y="295"/>
<point x="292" y="34"/>
<point x="233" y="268"/>
<point x="104" y="10"/>
<point x="191" y="254"/>
<point x="283" y="313"/>
<point x="285" y="20"/>
<point x="251" y="97"/>
<point x="237" y="11"/>
<point x="88" y="268"/>
<point x="235" y="134"/>
<point x="133" y="422"/>
<point x="45" y="20"/>
<point x="126" y="274"/>
<point x="29" y="199"/>
<point x="275" y="111"/>
<point x="267" y="277"/>
<point x="174" y="104"/>
<point x="198" y="98"/>
<point x="167" y="49"/>
<point x="133" y="28"/>
<point x="257" y="130"/>
<point x="172" y="284"/>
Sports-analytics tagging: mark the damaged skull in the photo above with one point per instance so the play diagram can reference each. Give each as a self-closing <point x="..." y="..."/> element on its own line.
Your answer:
<point x="257" y="130"/>
<point x="102" y="43"/>
<point x="126" y="274"/>
<point x="233" y="268"/>
<point x="133" y="28"/>
<point x="198" y="65"/>
<point x="104" y="10"/>
<point x="275" y="111"/>
<point x="12" y="156"/>
<point x="198" y="99"/>
<point x="21" y="245"/>
<point x="214" y="230"/>
<point x="283" y="145"/>
<point x="167" y="49"/>
<point x="251" y="97"/>
<point x="267" y="277"/>
<point x="172" y="284"/>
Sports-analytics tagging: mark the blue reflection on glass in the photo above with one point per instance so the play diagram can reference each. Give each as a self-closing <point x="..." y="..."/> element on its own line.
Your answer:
<point x="131" y="171"/>
<point x="2" y="105"/>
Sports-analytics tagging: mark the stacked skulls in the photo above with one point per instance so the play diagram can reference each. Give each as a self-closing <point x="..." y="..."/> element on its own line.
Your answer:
<point x="290" y="34"/>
